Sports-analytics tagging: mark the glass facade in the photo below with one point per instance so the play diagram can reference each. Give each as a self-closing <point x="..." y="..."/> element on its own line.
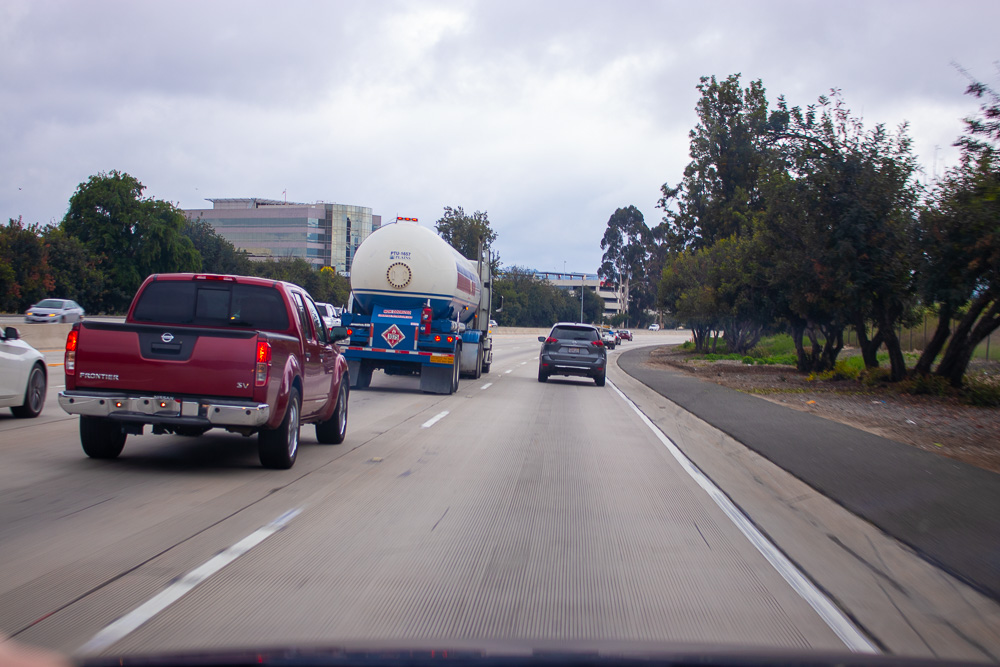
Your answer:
<point x="322" y="234"/>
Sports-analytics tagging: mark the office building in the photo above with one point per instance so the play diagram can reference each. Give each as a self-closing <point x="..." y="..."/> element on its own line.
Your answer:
<point x="323" y="234"/>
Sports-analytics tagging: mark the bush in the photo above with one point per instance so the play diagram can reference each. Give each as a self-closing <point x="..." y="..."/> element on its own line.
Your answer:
<point x="981" y="394"/>
<point x="928" y="385"/>
<point x="872" y="377"/>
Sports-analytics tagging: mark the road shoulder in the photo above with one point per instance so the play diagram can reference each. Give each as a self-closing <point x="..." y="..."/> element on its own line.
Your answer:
<point x="906" y="604"/>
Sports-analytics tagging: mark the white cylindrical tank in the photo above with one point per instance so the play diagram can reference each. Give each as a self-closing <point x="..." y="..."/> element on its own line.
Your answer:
<point x="403" y="265"/>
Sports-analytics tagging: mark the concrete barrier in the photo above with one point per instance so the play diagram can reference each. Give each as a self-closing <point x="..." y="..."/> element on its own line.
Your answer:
<point x="43" y="336"/>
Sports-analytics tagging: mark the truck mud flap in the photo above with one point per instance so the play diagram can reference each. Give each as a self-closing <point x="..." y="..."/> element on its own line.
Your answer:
<point x="437" y="379"/>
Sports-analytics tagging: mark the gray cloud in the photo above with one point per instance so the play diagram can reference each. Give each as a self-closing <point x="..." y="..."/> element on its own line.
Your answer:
<point x="548" y="115"/>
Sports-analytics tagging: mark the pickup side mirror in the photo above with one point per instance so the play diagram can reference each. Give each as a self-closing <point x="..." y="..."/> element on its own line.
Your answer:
<point x="10" y="333"/>
<point x="338" y="334"/>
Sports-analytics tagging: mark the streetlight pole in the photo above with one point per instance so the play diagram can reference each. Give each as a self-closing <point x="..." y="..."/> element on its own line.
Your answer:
<point x="583" y="286"/>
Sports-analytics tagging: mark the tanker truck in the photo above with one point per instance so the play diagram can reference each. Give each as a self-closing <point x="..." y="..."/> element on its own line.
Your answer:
<point x="418" y="307"/>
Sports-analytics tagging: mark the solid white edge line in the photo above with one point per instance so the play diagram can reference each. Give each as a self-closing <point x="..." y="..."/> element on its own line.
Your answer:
<point x="434" y="420"/>
<point x="486" y="386"/>
<point x="122" y="627"/>
<point x="821" y="604"/>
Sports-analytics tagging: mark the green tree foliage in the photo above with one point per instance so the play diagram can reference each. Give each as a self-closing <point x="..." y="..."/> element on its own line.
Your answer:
<point x="465" y="232"/>
<point x="840" y="226"/>
<point x="530" y="301"/>
<point x="131" y="236"/>
<point x="960" y="243"/>
<point x="24" y="268"/>
<point x="625" y="244"/>
<point x="74" y="269"/>
<point x="719" y="192"/>
<point x="217" y="254"/>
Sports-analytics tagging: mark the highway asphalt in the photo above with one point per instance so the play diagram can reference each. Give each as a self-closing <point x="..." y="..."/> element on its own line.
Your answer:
<point x="946" y="510"/>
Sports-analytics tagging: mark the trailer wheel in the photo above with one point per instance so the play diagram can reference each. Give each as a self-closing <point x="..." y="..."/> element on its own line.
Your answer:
<point x="334" y="430"/>
<point x="364" y="376"/>
<point x="278" y="448"/>
<point x="101" y="438"/>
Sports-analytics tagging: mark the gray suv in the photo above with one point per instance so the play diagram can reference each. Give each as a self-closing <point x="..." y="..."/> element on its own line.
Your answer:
<point x="573" y="349"/>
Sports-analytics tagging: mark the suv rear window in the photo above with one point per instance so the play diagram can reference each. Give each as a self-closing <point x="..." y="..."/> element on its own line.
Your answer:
<point x="212" y="304"/>
<point x="574" y="333"/>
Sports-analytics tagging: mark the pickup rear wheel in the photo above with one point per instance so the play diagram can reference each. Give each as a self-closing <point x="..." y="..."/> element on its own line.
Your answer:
<point x="279" y="447"/>
<point x="334" y="430"/>
<point x="101" y="438"/>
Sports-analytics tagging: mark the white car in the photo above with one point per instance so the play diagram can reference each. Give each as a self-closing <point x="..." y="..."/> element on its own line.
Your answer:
<point x="23" y="378"/>
<point x="654" y="327"/>
<point x="330" y="315"/>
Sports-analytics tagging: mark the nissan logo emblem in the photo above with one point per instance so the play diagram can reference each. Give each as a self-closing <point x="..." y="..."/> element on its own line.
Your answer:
<point x="167" y="337"/>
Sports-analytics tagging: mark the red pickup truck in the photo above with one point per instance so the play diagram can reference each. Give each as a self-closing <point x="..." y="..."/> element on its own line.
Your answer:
<point x="200" y="351"/>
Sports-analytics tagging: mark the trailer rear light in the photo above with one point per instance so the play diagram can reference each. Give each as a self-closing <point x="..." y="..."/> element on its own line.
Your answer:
<point x="263" y="363"/>
<point x="425" y="321"/>
<point x="69" y="362"/>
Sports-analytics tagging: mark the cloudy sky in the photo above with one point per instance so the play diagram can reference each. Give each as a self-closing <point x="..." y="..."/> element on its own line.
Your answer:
<point x="547" y="115"/>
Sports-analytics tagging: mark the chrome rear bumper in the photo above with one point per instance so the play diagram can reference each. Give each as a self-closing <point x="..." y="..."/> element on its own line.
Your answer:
<point x="161" y="410"/>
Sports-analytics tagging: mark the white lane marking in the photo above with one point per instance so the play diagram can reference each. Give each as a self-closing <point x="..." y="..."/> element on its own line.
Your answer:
<point x="523" y="362"/>
<point x="831" y="615"/>
<point x="434" y="420"/>
<point x="175" y="591"/>
<point x="486" y="386"/>
<point x="507" y="371"/>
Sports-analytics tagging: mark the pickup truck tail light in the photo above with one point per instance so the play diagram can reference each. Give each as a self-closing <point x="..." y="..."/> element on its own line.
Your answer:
<point x="69" y="362"/>
<point x="263" y="367"/>
<point x="425" y="321"/>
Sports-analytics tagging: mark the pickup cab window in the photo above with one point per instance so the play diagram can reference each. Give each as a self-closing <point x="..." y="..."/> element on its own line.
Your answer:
<point x="212" y="304"/>
<point x="317" y="321"/>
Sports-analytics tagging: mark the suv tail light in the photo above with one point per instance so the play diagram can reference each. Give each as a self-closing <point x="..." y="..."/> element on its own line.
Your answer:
<point x="598" y="343"/>
<point x="551" y="339"/>
<point x="69" y="362"/>
<point x="263" y="366"/>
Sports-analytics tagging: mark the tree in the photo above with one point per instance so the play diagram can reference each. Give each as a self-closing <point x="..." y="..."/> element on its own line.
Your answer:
<point x="218" y="255"/>
<point x="625" y="244"/>
<point x="24" y="270"/>
<point x="75" y="271"/>
<point x="960" y="244"/>
<point x="131" y="236"/>
<point x="729" y="152"/>
<point x="717" y="201"/>
<point x="842" y="228"/>
<point x="465" y="233"/>
<point x="530" y="301"/>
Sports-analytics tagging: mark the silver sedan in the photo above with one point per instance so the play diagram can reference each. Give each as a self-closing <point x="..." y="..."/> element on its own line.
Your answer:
<point x="54" y="310"/>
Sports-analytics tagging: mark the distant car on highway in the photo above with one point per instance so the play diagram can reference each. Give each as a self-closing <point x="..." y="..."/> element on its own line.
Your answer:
<point x="493" y="324"/>
<point x="54" y="310"/>
<point x="330" y="315"/>
<point x="573" y="349"/>
<point x="654" y="327"/>
<point x="608" y="338"/>
<point x="625" y="334"/>
<point x="23" y="378"/>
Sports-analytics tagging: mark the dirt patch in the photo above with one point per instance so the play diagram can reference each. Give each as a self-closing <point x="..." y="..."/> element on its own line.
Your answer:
<point x="940" y="425"/>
